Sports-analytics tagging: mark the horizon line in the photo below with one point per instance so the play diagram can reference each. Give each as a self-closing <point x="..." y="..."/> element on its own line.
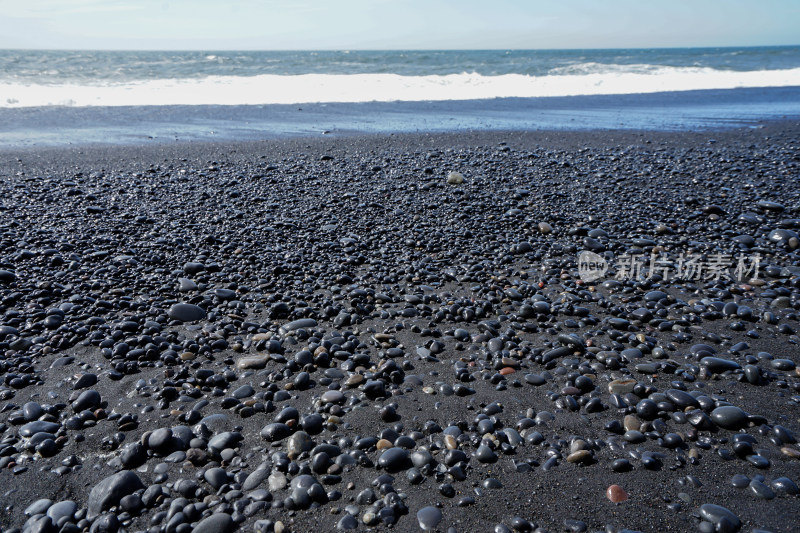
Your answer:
<point x="345" y="49"/>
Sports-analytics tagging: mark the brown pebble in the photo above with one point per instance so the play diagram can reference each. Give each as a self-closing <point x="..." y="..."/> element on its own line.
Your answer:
<point x="621" y="386"/>
<point x="355" y="380"/>
<point x="320" y="350"/>
<point x="630" y="422"/>
<point x="616" y="494"/>
<point x="581" y="456"/>
<point x="790" y="452"/>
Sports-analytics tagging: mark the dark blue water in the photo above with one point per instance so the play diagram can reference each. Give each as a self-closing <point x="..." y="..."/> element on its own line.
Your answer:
<point x="80" y="66"/>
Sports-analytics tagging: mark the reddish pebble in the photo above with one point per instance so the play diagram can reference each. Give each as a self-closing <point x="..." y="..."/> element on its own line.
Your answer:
<point x="616" y="494"/>
<point x="506" y="370"/>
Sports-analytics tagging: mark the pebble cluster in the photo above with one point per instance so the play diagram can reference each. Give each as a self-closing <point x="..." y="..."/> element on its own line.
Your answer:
<point x="374" y="334"/>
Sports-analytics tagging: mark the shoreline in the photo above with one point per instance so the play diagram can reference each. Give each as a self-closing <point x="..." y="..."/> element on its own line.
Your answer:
<point x="437" y="317"/>
<point x="679" y="111"/>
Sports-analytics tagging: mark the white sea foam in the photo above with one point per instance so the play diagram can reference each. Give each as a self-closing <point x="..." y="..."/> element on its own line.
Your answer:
<point x="584" y="79"/>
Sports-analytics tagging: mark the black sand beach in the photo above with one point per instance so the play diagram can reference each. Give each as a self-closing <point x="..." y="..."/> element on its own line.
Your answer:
<point x="391" y="332"/>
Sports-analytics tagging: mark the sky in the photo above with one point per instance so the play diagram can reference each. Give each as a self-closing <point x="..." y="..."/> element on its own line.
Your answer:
<point x="394" y="24"/>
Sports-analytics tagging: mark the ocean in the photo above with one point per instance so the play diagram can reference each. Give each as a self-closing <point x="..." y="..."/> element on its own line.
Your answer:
<point x="371" y="91"/>
<point x="66" y="78"/>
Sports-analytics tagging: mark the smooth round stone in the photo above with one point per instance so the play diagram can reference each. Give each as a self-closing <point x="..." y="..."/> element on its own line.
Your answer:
<point x="484" y="454"/>
<point x="88" y="399"/>
<point x="729" y="417"/>
<point x="374" y="389"/>
<point x="131" y="503"/>
<point x="347" y="522"/>
<point x="770" y="206"/>
<point x="216" y="523"/>
<point x="672" y="440"/>
<point x="61" y="509"/>
<point x="421" y="458"/>
<point x="455" y="178"/>
<point x="312" y="424"/>
<point x="492" y="483"/>
<point x="760" y="490"/>
<point x="758" y="461"/>
<point x="192" y="268"/>
<point x="784" y="485"/>
<point x="5" y="331"/>
<point x="647" y="368"/>
<point x="647" y="409"/>
<point x="783" y="364"/>
<point x="429" y="517"/>
<point x="227" y="439"/>
<point x="790" y="452"/>
<point x="301" y="323"/>
<point x="394" y="460"/>
<point x="621" y="465"/>
<point x="298" y="443"/>
<point x="746" y="240"/>
<point x="303" y="481"/>
<point x="38" y="426"/>
<point x="85" y="380"/>
<point x="109" y="491"/>
<point x="38" y="507"/>
<point x="753" y="374"/>
<point x="465" y="501"/>
<point x="535" y="379"/>
<point x="681" y="399"/>
<point x="616" y="494"/>
<point x="216" y="477"/>
<point x="740" y="481"/>
<point x="332" y="396"/>
<point x="255" y="478"/>
<point x="277" y="481"/>
<point x="718" y="365"/>
<point x="580" y="457"/>
<point x="716" y="513"/>
<point x="634" y="436"/>
<point x="7" y="277"/>
<point x="355" y="380"/>
<point x="225" y="294"/>
<point x="32" y="411"/>
<point x="702" y="349"/>
<point x="160" y="439"/>
<point x="461" y="334"/>
<point x="133" y="455"/>
<point x="245" y="391"/>
<point x="186" y="285"/>
<point x="255" y="362"/>
<point x="184" y="312"/>
<point x="655" y="296"/>
<point x="276" y="431"/>
<point x="621" y="386"/>
<point x="781" y="235"/>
